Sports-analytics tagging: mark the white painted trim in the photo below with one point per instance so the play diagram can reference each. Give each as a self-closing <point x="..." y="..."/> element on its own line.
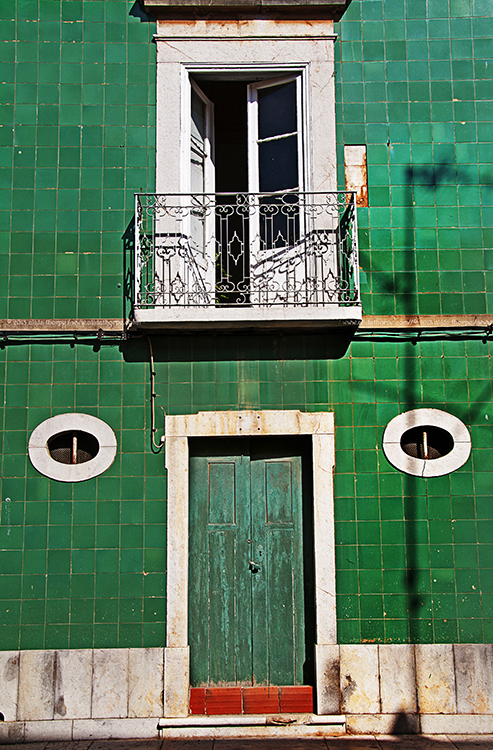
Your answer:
<point x="244" y="71"/>
<point x="418" y="467"/>
<point x="45" y="464"/>
<point x="320" y="426"/>
<point x="185" y="112"/>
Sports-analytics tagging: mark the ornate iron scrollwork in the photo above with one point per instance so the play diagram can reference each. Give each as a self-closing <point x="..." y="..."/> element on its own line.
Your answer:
<point x="291" y="249"/>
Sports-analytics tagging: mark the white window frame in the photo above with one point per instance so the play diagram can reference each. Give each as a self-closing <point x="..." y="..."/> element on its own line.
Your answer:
<point x="209" y="174"/>
<point x="266" y="75"/>
<point x="252" y="112"/>
<point x="248" y="49"/>
<point x="253" y="150"/>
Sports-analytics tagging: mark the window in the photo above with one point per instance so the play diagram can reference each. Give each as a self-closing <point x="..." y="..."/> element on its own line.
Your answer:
<point x="246" y="225"/>
<point x="248" y="148"/>
<point x="246" y="136"/>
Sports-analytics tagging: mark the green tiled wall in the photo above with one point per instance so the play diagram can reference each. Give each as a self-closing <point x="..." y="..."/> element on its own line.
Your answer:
<point x="84" y="564"/>
<point x="414" y="556"/>
<point x="74" y="555"/>
<point x="76" y="141"/>
<point x="414" y="82"/>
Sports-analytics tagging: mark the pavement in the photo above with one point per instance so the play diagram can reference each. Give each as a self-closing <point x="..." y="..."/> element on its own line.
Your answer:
<point x="374" y="742"/>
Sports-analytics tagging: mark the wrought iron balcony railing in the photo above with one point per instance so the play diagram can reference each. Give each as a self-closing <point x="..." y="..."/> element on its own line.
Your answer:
<point x="229" y="257"/>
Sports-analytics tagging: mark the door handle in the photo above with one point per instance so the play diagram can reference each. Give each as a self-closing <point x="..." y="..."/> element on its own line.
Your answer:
<point x="253" y="566"/>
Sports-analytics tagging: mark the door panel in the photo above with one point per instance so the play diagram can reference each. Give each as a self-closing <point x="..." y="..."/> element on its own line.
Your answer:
<point x="278" y="588"/>
<point x="222" y="600"/>
<point x="217" y="599"/>
<point x="246" y="567"/>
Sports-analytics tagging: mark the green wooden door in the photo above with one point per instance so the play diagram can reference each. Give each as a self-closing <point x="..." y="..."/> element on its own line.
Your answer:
<point x="246" y="599"/>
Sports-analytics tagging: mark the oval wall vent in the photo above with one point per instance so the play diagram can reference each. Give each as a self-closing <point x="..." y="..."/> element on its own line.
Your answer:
<point x="426" y="442"/>
<point x="72" y="447"/>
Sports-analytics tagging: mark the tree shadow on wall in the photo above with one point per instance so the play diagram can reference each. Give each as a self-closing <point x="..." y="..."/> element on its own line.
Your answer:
<point x="403" y="287"/>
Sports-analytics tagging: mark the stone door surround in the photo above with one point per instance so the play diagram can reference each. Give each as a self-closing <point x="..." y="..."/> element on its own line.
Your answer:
<point x="318" y="425"/>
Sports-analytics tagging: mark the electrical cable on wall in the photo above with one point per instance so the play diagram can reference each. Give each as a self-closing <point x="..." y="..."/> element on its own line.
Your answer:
<point x="159" y="445"/>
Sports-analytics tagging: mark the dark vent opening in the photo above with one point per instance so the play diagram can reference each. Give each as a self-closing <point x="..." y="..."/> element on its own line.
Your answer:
<point x="427" y="442"/>
<point x="73" y="447"/>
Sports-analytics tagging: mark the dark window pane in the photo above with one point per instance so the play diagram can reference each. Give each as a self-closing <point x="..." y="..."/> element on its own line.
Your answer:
<point x="278" y="164"/>
<point x="277" y="110"/>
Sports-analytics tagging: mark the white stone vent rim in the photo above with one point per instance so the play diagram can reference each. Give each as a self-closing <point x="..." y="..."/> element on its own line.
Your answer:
<point x="436" y="467"/>
<point x="42" y="461"/>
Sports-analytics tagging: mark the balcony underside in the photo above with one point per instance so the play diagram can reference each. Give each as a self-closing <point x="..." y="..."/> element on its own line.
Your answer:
<point x="248" y="317"/>
<point x="329" y="9"/>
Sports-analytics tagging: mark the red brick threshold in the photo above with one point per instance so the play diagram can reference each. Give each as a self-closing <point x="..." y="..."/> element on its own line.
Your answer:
<point x="230" y="701"/>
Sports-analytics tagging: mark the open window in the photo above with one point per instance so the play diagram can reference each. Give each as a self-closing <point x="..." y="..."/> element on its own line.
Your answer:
<point x="246" y="137"/>
<point x="247" y="140"/>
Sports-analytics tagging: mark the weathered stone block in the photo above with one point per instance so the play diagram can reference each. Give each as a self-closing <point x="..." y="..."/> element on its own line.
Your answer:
<point x="9" y="684"/>
<point x="73" y="684"/>
<point x="11" y="733"/>
<point x="176" y="681"/>
<point x="110" y="683"/>
<point x="458" y="724"/>
<point x="328" y="679"/>
<point x="42" y="731"/>
<point x="36" y="685"/>
<point x="397" y="678"/>
<point x="116" y="729"/>
<point x="145" y="682"/>
<point x="474" y="678"/>
<point x="435" y="678"/>
<point x="359" y="679"/>
<point x="393" y="724"/>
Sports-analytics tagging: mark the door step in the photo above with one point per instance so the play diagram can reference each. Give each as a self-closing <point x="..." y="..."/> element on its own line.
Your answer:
<point x="253" y="726"/>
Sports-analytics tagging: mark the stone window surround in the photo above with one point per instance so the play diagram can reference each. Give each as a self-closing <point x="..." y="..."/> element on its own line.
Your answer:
<point x="419" y="467"/>
<point x="274" y="49"/>
<point x="43" y="462"/>
<point x="318" y="425"/>
<point x="245" y="49"/>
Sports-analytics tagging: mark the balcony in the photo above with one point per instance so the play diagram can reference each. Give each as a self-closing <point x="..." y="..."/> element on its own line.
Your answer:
<point x="246" y="260"/>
